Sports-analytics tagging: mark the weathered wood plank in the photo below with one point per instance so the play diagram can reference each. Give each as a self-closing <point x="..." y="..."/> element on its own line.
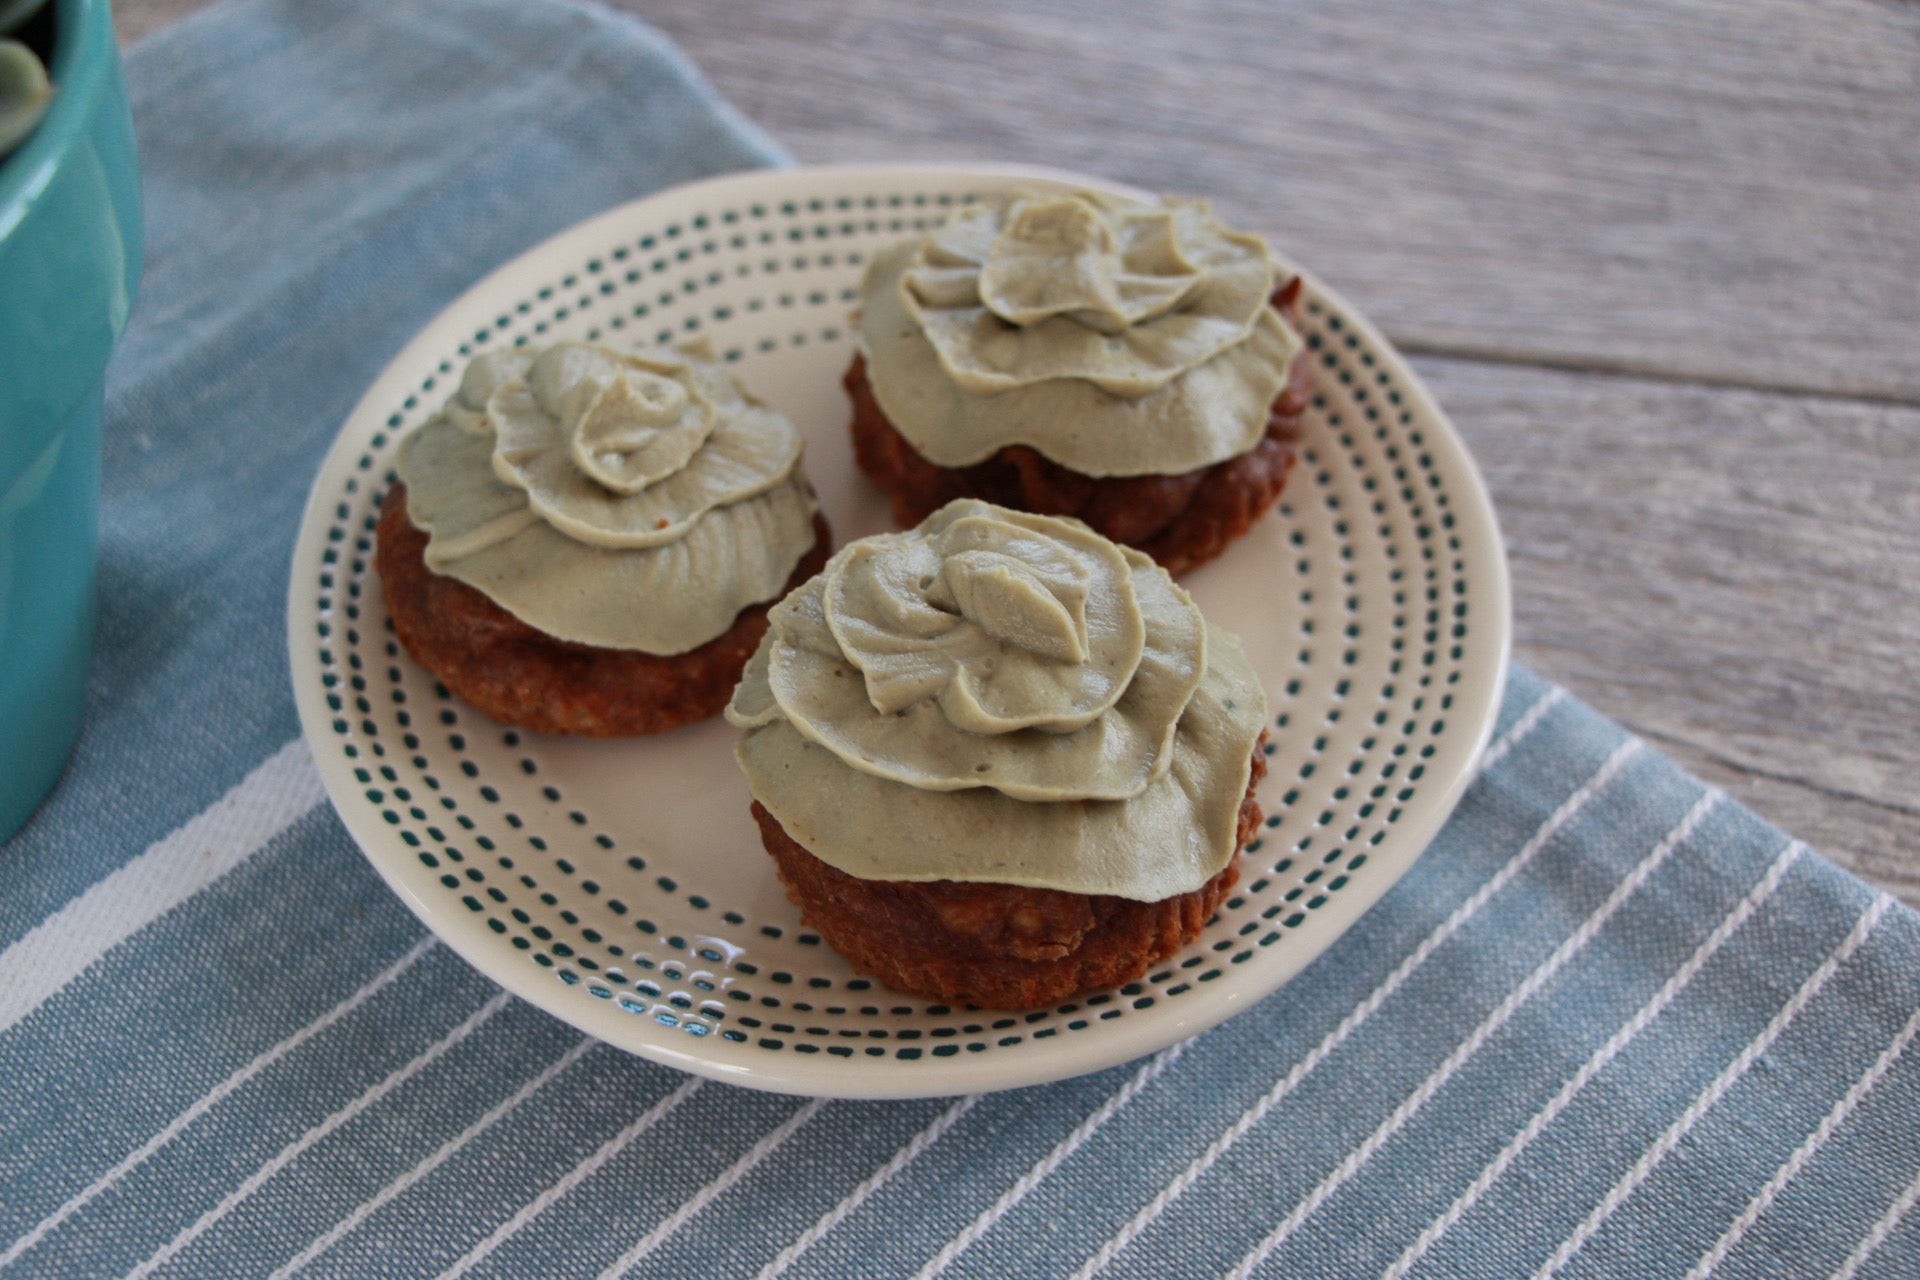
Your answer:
<point x="1731" y="574"/>
<point x="1719" y="190"/>
<point x="1722" y="191"/>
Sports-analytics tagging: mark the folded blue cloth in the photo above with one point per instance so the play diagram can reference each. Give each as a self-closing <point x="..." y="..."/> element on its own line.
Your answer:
<point x="1611" y="1024"/>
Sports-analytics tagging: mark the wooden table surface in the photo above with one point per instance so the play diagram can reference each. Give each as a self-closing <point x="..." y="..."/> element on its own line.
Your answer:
<point x="1659" y="262"/>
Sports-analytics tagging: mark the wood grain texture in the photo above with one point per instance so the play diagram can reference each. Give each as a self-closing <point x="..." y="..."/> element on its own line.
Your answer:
<point x="1728" y="573"/>
<point x="1717" y="191"/>
<point x="1660" y="262"/>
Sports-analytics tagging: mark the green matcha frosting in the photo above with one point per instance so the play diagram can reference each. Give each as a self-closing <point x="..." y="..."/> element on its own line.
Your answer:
<point x="1116" y="337"/>
<point x="613" y="499"/>
<point x="999" y="696"/>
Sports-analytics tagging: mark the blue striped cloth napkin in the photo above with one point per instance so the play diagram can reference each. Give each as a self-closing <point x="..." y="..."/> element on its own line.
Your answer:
<point x="1610" y="1025"/>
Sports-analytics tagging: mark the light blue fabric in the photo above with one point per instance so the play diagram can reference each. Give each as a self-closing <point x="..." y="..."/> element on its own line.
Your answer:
<point x="1710" y="1064"/>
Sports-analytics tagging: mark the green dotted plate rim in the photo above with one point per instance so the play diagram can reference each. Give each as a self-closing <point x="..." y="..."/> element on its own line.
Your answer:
<point x="1418" y="617"/>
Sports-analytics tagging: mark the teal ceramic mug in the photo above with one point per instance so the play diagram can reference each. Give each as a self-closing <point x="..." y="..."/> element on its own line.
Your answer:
<point x="69" y="258"/>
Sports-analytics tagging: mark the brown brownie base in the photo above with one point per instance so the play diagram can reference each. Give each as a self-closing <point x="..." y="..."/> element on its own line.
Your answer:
<point x="528" y="678"/>
<point x="1182" y="521"/>
<point x="996" y="945"/>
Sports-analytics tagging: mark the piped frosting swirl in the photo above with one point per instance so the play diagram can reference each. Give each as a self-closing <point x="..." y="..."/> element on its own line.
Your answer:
<point x="1117" y="337"/>
<point x="1001" y="696"/>
<point x="626" y="501"/>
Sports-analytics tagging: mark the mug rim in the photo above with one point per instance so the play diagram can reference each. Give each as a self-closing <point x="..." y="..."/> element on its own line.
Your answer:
<point x="84" y="49"/>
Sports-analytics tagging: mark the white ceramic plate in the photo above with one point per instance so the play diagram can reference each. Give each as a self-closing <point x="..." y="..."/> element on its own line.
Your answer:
<point x="621" y="885"/>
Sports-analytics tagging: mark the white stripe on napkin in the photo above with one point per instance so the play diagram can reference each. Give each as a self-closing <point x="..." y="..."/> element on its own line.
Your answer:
<point x="213" y="1098"/>
<point x="580" y="1173"/>
<point x="261" y="1176"/>
<point x="1666" y="1142"/>
<point x="1876" y="1237"/>
<point x="1366" y="1009"/>
<point x="1525" y="725"/>
<point x="340" y="1230"/>
<point x="1478" y="1037"/>
<point x="1805" y="1152"/>
<point x="1606" y="1053"/>
<point x="1052" y="1160"/>
<point x="171" y="870"/>
<point x="880" y="1177"/>
<point x="740" y="1168"/>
